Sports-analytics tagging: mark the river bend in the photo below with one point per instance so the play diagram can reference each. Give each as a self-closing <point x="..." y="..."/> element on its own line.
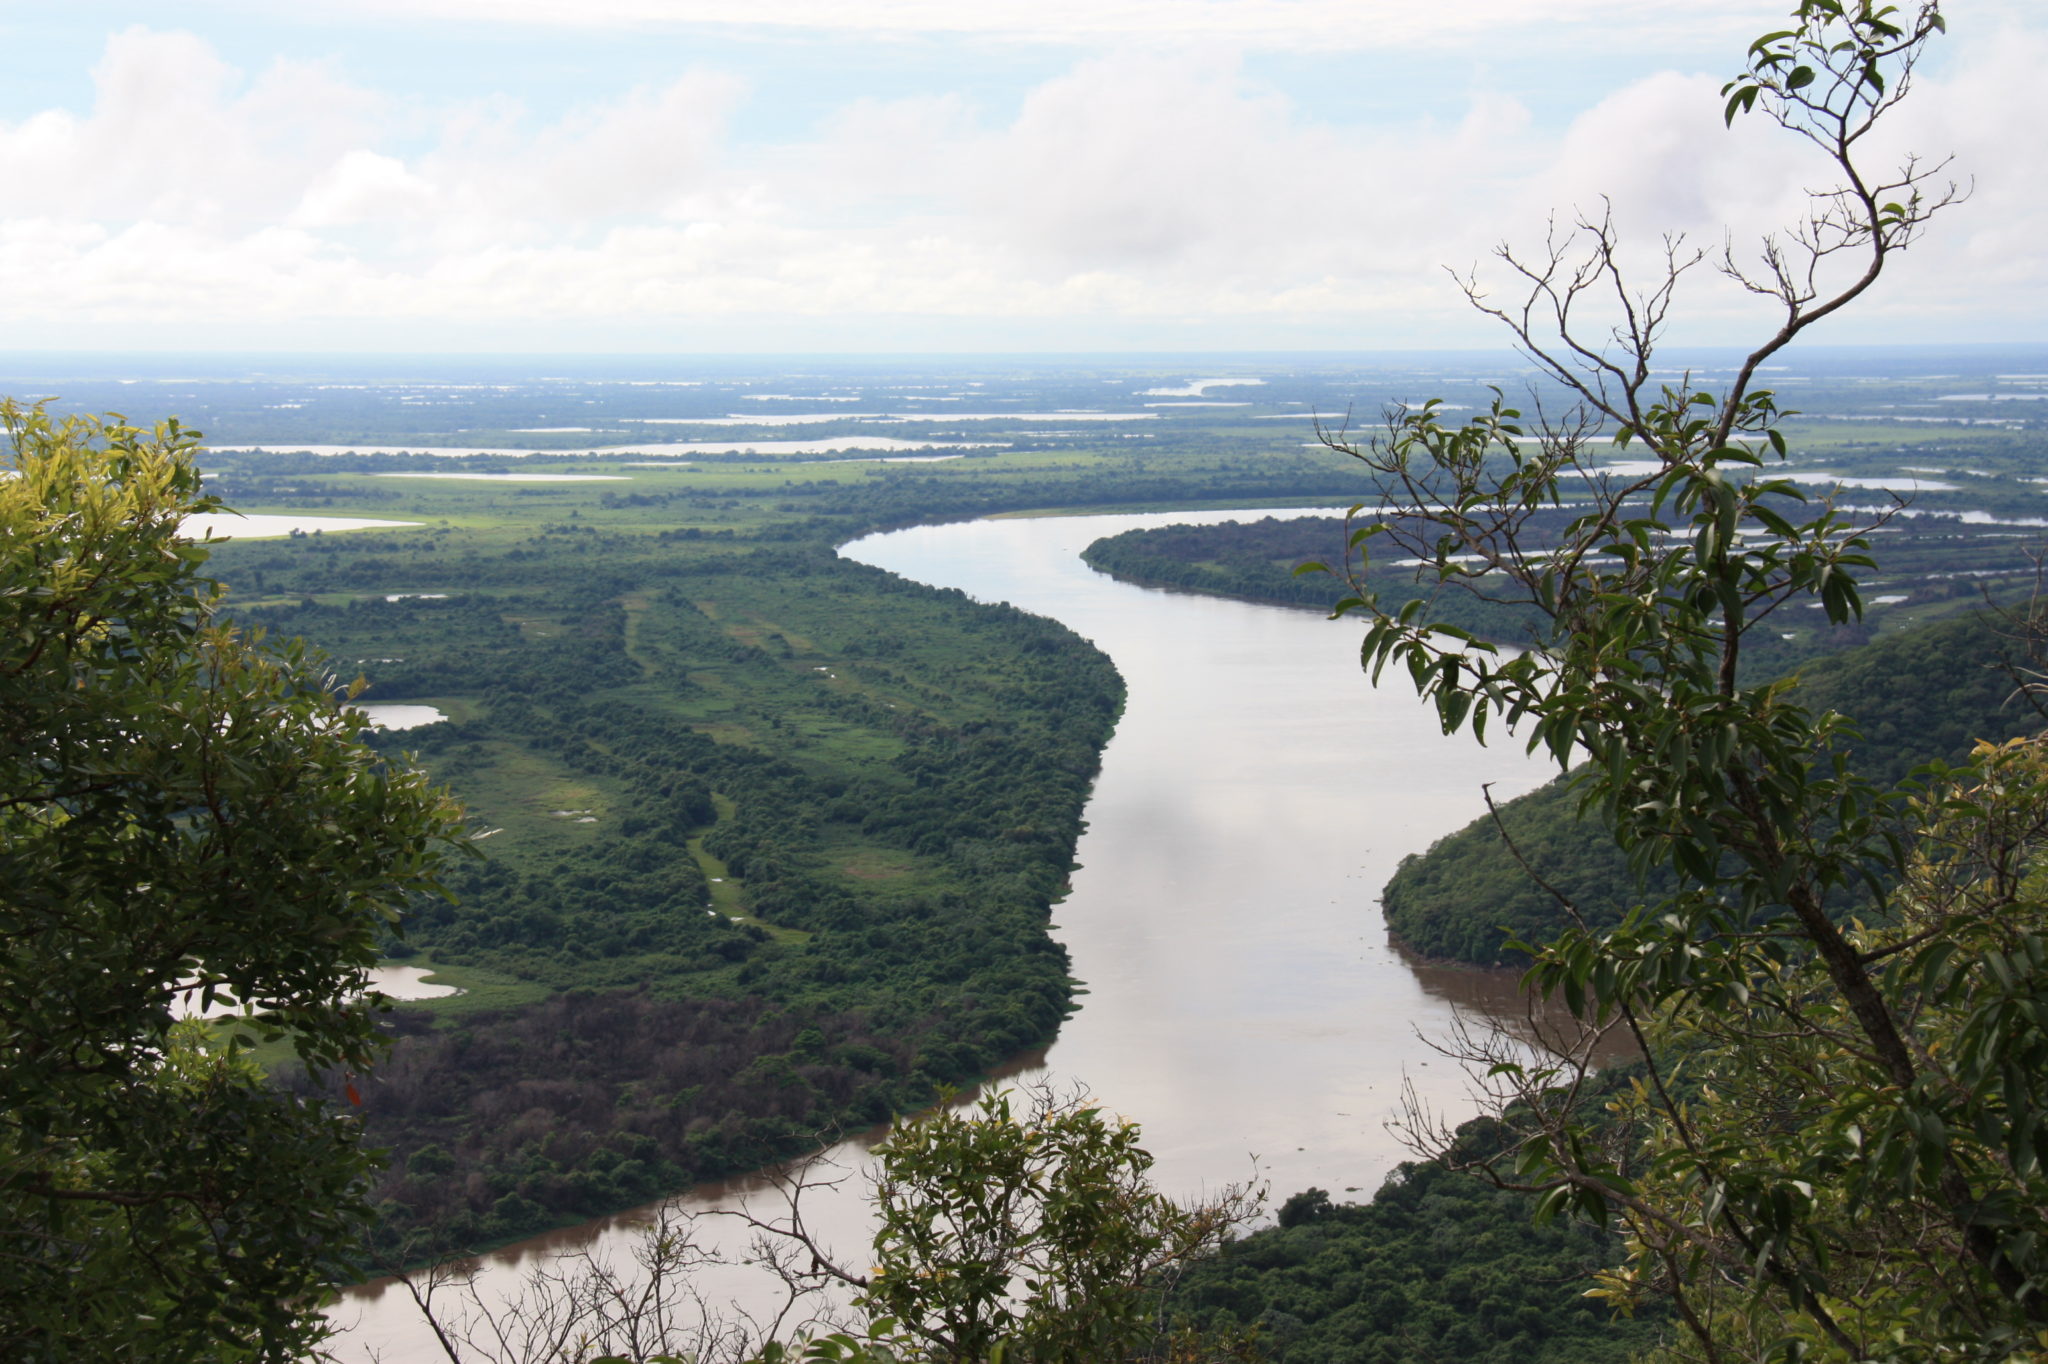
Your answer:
<point x="1243" y="1000"/>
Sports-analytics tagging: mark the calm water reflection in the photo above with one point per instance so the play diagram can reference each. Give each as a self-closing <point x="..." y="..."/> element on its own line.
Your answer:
<point x="1244" y="1001"/>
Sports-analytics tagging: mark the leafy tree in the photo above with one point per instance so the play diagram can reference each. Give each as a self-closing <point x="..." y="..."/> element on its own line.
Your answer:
<point x="183" y="808"/>
<point x="1030" y="1237"/>
<point x="1837" y="1147"/>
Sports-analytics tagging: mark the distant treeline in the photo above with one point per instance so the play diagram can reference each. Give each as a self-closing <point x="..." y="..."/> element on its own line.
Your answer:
<point x="1926" y="563"/>
<point x="1258" y="561"/>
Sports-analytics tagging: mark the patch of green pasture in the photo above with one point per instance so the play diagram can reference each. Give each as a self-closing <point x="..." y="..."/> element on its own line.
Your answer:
<point x="860" y="863"/>
<point x="522" y="792"/>
<point x="836" y="743"/>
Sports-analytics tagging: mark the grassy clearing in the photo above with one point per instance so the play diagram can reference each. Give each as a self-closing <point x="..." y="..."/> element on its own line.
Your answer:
<point x="890" y="867"/>
<point x="532" y="798"/>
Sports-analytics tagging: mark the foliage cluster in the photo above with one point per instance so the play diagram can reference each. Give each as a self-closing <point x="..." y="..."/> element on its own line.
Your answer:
<point x="184" y="812"/>
<point x="1032" y="1236"/>
<point x="1436" y="1267"/>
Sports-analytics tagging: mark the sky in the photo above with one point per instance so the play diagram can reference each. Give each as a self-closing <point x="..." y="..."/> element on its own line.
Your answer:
<point x="806" y="176"/>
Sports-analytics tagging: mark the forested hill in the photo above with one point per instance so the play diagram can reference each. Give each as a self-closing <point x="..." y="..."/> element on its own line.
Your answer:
<point x="1916" y="694"/>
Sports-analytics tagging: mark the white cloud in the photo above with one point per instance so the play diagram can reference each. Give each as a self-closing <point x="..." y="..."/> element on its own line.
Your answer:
<point x="1987" y="109"/>
<point x="1145" y="160"/>
<point x="638" y="153"/>
<point x="363" y="186"/>
<point x="1158" y="188"/>
<point x="1322" y="25"/>
<point x="1174" y="172"/>
<point x="170" y="136"/>
<point x="1128" y="161"/>
<point x="1659" y="152"/>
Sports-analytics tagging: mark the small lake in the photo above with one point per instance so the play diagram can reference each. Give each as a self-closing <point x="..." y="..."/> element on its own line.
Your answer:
<point x="1244" y="1004"/>
<point x="401" y="716"/>
<point x="408" y="982"/>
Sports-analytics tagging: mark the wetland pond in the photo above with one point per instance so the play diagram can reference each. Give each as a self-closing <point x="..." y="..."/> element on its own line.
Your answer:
<point x="1243" y="1000"/>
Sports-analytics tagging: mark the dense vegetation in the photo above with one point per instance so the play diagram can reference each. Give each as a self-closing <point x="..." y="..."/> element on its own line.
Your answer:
<point x="512" y="1120"/>
<point x="1916" y="694"/>
<point x="1437" y="1269"/>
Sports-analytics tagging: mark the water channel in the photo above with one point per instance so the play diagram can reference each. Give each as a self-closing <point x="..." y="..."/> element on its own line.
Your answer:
<point x="1244" y="1004"/>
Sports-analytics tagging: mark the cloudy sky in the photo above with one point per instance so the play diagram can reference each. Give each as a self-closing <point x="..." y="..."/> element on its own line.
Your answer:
<point x="919" y="175"/>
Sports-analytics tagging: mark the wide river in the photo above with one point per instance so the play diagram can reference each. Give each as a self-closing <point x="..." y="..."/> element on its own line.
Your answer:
<point x="1243" y="1000"/>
